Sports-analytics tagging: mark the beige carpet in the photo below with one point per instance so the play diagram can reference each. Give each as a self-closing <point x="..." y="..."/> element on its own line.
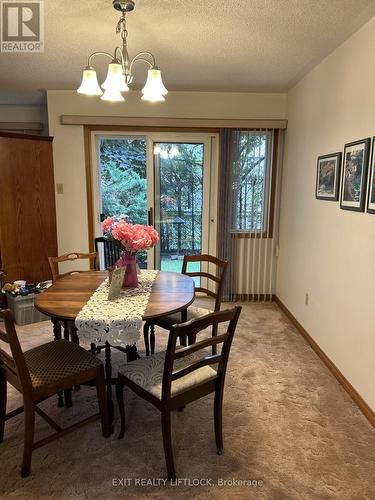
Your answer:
<point x="287" y="423"/>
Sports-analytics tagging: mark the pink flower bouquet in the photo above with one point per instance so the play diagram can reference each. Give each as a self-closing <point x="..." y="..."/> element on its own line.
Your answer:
<point x="131" y="237"/>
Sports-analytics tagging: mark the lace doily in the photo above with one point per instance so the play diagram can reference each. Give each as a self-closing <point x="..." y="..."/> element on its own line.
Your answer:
<point x="117" y="321"/>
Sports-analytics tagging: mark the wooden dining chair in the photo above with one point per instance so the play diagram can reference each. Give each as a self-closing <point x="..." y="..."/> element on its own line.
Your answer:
<point x="192" y="312"/>
<point x="111" y="252"/>
<point x="40" y="373"/>
<point x="54" y="266"/>
<point x="173" y="378"/>
<point x="70" y="257"/>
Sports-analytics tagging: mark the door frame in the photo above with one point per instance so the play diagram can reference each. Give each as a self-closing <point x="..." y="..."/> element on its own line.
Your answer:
<point x="158" y="134"/>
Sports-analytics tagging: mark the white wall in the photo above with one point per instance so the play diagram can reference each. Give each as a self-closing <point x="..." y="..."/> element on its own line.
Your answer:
<point x="24" y="113"/>
<point x="326" y="251"/>
<point x="68" y="142"/>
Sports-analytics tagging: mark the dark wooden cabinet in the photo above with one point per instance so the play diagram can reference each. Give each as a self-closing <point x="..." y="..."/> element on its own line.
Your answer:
<point x="27" y="207"/>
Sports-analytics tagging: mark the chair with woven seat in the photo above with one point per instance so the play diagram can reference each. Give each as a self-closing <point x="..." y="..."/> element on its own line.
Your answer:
<point x="71" y="257"/>
<point x="171" y="379"/>
<point x="39" y="373"/>
<point x="192" y="312"/>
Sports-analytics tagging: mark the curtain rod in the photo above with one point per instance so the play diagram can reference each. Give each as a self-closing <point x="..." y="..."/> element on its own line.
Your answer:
<point x="172" y="122"/>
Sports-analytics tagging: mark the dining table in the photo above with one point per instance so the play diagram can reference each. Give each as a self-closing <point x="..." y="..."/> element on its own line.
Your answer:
<point x="62" y="302"/>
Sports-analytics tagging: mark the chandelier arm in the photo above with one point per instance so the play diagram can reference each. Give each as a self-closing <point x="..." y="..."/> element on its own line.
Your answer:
<point x="119" y="50"/>
<point x="94" y="54"/>
<point x="139" y="58"/>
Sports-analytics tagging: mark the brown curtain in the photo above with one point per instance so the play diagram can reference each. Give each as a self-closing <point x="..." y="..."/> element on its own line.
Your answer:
<point x="227" y="140"/>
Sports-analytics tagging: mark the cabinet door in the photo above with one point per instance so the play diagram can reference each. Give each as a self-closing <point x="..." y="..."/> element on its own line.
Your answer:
<point x="27" y="207"/>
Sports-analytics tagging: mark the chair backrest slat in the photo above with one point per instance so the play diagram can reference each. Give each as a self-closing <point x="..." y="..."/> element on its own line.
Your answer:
<point x="185" y="351"/>
<point x="203" y="275"/>
<point x="209" y="293"/>
<point x="209" y="360"/>
<point x="217" y="279"/>
<point x="72" y="256"/>
<point x="190" y="329"/>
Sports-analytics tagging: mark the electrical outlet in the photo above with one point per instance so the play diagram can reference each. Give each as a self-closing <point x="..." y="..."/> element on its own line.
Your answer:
<point x="60" y="188"/>
<point x="306" y="299"/>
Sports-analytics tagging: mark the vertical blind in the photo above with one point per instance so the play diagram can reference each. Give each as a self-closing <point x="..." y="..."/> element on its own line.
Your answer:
<point x="247" y="206"/>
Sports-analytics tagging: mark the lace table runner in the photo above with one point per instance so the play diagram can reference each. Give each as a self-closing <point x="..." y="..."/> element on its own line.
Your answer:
<point x="117" y="321"/>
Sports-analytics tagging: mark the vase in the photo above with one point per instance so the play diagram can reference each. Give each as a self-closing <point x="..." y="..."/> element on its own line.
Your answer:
<point x="130" y="264"/>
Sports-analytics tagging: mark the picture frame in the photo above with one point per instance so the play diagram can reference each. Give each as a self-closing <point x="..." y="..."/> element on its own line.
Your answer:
<point x="328" y="177"/>
<point x="371" y="183"/>
<point x="354" y="175"/>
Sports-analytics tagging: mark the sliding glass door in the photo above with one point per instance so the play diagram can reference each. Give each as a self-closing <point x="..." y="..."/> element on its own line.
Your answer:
<point x="178" y="169"/>
<point x="162" y="179"/>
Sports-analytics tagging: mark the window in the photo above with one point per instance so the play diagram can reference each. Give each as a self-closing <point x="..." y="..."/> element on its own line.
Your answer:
<point x="251" y="178"/>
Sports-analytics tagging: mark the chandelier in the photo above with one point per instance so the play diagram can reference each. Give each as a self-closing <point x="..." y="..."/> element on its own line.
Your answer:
<point x="120" y="69"/>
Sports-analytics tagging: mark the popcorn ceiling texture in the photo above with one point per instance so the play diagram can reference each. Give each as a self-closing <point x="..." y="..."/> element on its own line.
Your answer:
<point x="286" y="422"/>
<point x="212" y="45"/>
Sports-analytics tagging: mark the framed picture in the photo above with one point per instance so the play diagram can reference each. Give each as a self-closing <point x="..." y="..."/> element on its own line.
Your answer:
<point x="328" y="177"/>
<point x="354" y="175"/>
<point x="371" y="186"/>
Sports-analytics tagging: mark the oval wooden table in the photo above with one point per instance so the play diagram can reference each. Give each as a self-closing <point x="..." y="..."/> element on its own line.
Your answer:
<point x="170" y="293"/>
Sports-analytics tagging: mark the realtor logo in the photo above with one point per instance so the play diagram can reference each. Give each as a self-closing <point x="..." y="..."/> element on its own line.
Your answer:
<point x="22" y="26"/>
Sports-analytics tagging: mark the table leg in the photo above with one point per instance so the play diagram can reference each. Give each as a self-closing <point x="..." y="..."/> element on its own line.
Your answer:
<point x="73" y="332"/>
<point x="152" y="337"/>
<point x="68" y="398"/>
<point x="56" y="329"/>
<point x="108" y="376"/>
<point x="74" y="338"/>
<point x="57" y="336"/>
<point x="67" y="392"/>
<point x="66" y="330"/>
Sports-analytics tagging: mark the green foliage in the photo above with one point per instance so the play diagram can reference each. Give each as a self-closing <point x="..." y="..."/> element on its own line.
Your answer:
<point x="124" y="189"/>
<point x="249" y="171"/>
<point x="123" y="178"/>
<point x="181" y="199"/>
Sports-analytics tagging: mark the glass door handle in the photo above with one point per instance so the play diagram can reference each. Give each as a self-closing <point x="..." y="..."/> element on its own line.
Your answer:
<point x="150" y="216"/>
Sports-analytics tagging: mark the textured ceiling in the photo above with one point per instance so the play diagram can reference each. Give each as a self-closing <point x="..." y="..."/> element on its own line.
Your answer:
<point x="214" y="45"/>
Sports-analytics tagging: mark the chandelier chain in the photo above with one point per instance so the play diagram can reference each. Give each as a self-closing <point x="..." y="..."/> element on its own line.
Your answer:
<point x="121" y="27"/>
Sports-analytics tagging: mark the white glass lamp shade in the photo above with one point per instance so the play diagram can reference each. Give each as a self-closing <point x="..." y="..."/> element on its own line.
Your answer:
<point x="112" y="95"/>
<point x="115" y="78"/>
<point x="154" y="90"/>
<point x="89" y="85"/>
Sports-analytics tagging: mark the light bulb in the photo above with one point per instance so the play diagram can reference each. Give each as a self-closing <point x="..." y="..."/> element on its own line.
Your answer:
<point x="89" y="84"/>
